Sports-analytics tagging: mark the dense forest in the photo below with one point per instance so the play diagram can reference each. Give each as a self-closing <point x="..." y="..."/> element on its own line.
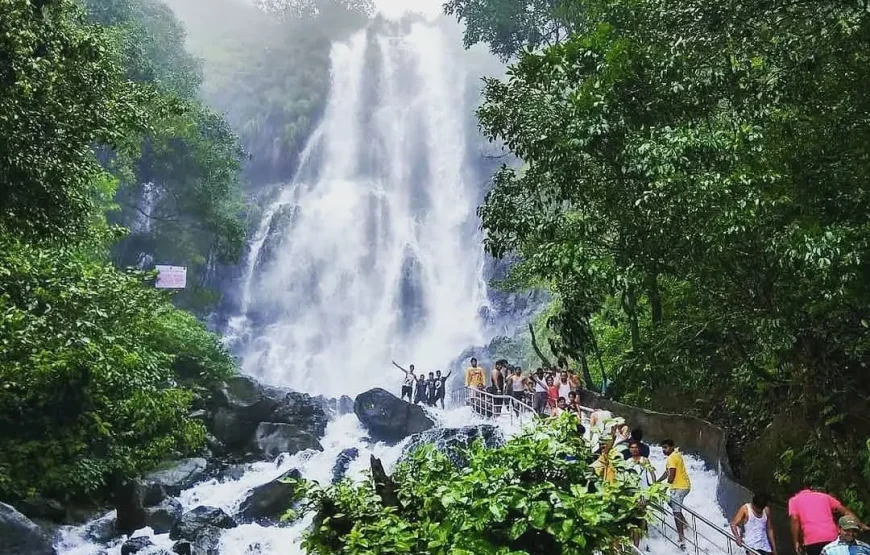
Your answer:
<point x="694" y="194"/>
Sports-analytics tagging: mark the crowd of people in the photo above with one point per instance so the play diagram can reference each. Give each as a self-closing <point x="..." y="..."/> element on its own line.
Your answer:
<point x="549" y="392"/>
<point x="819" y="523"/>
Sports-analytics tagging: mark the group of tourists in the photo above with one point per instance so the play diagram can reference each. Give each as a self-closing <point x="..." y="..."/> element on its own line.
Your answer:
<point x="549" y="392"/>
<point x="421" y="390"/>
<point x="612" y="438"/>
<point x="820" y="524"/>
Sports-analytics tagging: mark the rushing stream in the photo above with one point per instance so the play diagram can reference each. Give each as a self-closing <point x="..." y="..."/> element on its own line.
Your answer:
<point x="372" y="252"/>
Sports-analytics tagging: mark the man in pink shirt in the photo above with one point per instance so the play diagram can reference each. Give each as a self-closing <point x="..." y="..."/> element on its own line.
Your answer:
<point x="811" y="515"/>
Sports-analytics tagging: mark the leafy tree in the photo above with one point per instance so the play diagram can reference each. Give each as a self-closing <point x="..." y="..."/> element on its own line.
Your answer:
<point x="509" y="26"/>
<point x="94" y="366"/>
<point x="694" y="196"/>
<point x="61" y="92"/>
<point x="537" y="494"/>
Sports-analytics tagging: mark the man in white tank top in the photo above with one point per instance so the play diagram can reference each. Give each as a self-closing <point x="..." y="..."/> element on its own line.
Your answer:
<point x="757" y="532"/>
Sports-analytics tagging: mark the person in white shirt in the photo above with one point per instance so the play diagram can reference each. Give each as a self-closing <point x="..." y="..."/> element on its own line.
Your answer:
<point x="757" y="532"/>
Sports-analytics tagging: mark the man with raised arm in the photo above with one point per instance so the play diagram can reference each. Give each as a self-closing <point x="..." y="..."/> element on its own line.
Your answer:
<point x="407" y="382"/>
<point x="440" y="387"/>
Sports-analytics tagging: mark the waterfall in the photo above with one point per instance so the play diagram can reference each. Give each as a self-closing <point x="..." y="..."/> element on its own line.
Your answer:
<point x="372" y="252"/>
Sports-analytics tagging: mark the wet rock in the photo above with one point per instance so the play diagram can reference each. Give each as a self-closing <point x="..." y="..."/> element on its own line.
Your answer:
<point x="20" y="535"/>
<point x="232" y="473"/>
<point x="242" y="404"/>
<point x="174" y="477"/>
<point x="269" y="501"/>
<point x="135" y="545"/>
<point x="101" y="530"/>
<point x="345" y="405"/>
<point x="193" y="522"/>
<point x="450" y="441"/>
<point x="271" y="439"/>
<point x="183" y="547"/>
<point x="389" y="418"/>
<point x="128" y="495"/>
<point x="342" y="462"/>
<point x="44" y="508"/>
<point x="163" y="517"/>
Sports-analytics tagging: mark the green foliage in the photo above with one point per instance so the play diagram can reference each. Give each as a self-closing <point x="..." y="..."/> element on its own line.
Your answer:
<point x="189" y="159"/>
<point x="529" y="496"/>
<point x="694" y="195"/>
<point x="92" y="365"/>
<point x="509" y="26"/>
<point x="62" y="91"/>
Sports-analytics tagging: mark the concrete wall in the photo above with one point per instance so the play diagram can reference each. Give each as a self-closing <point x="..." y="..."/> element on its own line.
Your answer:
<point x="702" y="439"/>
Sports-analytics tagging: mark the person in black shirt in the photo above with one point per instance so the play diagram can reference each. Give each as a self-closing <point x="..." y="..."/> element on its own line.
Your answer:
<point x="420" y="392"/>
<point x="636" y="435"/>
<point x="440" y="387"/>
<point x="430" y="390"/>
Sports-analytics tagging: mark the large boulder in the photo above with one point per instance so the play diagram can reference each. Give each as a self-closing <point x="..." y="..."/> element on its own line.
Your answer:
<point x="172" y="478"/>
<point x="342" y="462"/>
<point x="194" y="522"/>
<point x="242" y="403"/>
<point x="20" y="535"/>
<point x="389" y="418"/>
<point x="451" y="441"/>
<point x="44" y="508"/>
<point x="271" y="439"/>
<point x="271" y="500"/>
<point x="135" y="545"/>
<point x="163" y="517"/>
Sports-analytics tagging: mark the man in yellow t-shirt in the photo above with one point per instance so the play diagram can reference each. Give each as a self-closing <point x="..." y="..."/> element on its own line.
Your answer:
<point x="474" y="376"/>
<point x="679" y="484"/>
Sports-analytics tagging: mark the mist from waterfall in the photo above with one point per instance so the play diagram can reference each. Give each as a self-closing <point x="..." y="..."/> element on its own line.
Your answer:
<point x="373" y="252"/>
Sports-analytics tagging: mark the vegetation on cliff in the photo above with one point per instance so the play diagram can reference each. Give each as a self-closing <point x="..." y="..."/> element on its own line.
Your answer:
<point x="695" y="196"/>
<point x="94" y="363"/>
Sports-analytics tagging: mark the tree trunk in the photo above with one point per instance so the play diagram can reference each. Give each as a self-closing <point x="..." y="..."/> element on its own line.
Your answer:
<point x="587" y="375"/>
<point x="384" y="485"/>
<point x="655" y="299"/>
<point x="537" y="349"/>
<point x="629" y="305"/>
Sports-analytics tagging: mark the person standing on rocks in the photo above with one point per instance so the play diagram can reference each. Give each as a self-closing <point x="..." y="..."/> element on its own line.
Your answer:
<point x="679" y="484"/>
<point x="421" y="394"/>
<point x="408" y="382"/>
<point x="811" y="518"/>
<point x="430" y="390"/>
<point x="440" y="387"/>
<point x="754" y="519"/>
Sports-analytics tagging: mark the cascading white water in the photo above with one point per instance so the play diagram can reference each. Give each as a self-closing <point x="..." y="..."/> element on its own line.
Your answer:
<point x="373" y="252"/>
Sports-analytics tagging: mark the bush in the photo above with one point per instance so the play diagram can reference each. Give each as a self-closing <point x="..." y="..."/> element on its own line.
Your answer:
<point x="529" y="496"/>
<point x="88" y="370"/>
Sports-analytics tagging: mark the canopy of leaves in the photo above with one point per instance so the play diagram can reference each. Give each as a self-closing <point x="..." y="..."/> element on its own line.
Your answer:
<point x="62" y="91"/>
<point x="509" y="26"/>
<point x="535" y="495"/>
<point x="91" y="368"/>
<point x="695" y="194"/>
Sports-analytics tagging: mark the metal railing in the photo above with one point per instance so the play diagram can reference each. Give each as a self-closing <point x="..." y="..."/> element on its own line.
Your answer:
<point x="697" y="532"/>
<point x="493" y="405"/>
<point x="702" y="537"/>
